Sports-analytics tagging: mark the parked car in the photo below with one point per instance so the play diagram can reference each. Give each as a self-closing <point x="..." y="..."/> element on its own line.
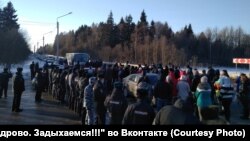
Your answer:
<point x="130" y="83"/>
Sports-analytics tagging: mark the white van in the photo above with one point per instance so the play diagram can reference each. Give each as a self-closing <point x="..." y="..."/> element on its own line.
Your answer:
<point x="74" y="58"/>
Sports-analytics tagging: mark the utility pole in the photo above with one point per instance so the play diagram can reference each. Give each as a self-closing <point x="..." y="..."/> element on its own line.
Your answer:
<point x="44" y="39"/>
<point x="37" y="46"/>
<point x="57" y="33"/>
<point x="210" y="53"/>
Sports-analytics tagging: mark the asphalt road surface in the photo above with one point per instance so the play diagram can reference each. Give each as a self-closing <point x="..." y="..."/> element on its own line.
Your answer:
<point x="47" y="112"/>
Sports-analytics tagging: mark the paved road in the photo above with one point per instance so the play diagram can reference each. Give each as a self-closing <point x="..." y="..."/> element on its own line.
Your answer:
<point x="50" y="111"/>
<point x="236" y="111"/>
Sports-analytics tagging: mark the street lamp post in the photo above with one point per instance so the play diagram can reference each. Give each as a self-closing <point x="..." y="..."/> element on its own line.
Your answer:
<point x="45" y="34"/>
<point x="57" y="34"/>
<point x="210" y="53"/>
<point x="43" y="50"/>
<point x="34" y="49"/>
<point x="37" y="46"/>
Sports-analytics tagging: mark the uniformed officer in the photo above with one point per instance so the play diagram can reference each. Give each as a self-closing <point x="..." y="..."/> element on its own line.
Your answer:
<point x="4" y="80"/>
<point x="18" y="86"/>
<point x="140" y="112"/>
<point x="89" y="102"/>
<point x="116" y="104"/>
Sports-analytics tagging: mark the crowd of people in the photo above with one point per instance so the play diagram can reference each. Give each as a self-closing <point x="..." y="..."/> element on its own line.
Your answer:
<point x="95" y="92"/>
<point x="18" y="87"/>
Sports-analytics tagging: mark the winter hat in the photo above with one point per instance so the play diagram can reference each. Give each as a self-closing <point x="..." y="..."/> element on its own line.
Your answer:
<point x="92" y="80"/>
<point x="142" y="89"/>
<point x="203" y="79"/>
<point x="5" y="69"/>
<point x="19" y="69"/>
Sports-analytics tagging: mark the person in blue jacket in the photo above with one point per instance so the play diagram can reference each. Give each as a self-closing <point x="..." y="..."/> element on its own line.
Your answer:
<point x="203" y="95"/>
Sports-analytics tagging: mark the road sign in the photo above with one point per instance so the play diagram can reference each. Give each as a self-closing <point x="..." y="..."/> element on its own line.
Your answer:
<point x="241" y="61"/>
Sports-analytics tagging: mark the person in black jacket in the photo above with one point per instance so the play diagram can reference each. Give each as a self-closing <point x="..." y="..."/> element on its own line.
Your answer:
<point x="18" y="86"/>
<point x="4" y="81"/>
<point x="39" y="86"/>
<point x="100" y="93"/>
<point x="32" y="70"/>
<point x="244" y="90"/>
<point x="178" y="114"/>
<point x="116" y="104"/>
<point x="140" y="112"/>
<point x="162" y="93"/>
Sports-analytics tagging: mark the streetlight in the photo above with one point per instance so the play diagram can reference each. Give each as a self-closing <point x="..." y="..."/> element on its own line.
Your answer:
<point x="57" y="35"/>
<point x="37" y="46"/>
<point x="45" y="34"/>
<point x="34" y="49"/>
<point x="210" y="52"/>
<point x="43" y="50"/>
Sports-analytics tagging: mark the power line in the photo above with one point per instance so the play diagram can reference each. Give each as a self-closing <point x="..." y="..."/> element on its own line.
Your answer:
<point x="36" y="22"/>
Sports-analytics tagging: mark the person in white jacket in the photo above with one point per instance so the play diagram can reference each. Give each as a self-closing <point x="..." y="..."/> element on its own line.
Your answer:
<point x="226" y="93"/>
<point x="183" y="88"/>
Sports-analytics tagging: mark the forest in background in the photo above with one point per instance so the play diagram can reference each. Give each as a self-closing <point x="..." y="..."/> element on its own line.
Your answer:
<point x="143" y="42"/>
<point x="154" y="42"/>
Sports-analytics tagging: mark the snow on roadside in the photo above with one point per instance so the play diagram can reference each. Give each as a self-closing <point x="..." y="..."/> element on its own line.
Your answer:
<point x="233" y="72"/>
<point x="25" y="65"/>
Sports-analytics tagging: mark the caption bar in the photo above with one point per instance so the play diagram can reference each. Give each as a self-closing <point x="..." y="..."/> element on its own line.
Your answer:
<point x="125" y="132"/>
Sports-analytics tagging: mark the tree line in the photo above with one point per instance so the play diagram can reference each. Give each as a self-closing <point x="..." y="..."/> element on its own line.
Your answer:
<point x="14" y="47"/>
<point x="154" y="42"/>
<point x="142" y="42"/>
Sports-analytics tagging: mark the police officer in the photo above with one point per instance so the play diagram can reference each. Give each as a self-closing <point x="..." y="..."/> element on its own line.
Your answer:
<point x="100" y="93"/>
<point x="32" y="70"/>
<point x="4" y="80"/>
<point x="140" y="112"/>
<point x="116" y="104"/>
<point x="179" y="113"/>
<point x="82" y="83"/>
<point x="18" y="86"/>
<point x="39" y="86"/>
<point x="89" y="102"/>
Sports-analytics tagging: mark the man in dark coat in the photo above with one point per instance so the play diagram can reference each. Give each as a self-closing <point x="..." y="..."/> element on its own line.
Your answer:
<point x="162" y="93"/>
<point x="100" y="93"/>
<point x="140" y="112"/>
<point x="4" y="81"/>
<point x="32" y="70"/>
<point x="244" y="90"/>
<point x="116" y="104"/>
<point x="178" y="114"/>
<point x="18" y="86"/>
<point x="39" y="86"/>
